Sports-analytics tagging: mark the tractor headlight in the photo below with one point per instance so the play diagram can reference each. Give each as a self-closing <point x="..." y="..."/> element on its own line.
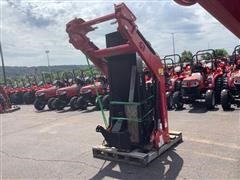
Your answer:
<point x="41" y="94"/>
<point x="236" y="80"/>
<point x="61" y="93"/>
<point x="194" y="83"/>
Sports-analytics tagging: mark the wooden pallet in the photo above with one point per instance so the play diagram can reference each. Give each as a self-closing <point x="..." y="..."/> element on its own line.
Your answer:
<point x="135" y="157"/>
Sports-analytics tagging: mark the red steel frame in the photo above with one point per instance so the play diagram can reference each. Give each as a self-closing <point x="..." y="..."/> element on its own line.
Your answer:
<point x="77" y="30"/>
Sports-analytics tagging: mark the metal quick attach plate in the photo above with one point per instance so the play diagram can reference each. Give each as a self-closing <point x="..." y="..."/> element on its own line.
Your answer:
<point x="135" y="157"/>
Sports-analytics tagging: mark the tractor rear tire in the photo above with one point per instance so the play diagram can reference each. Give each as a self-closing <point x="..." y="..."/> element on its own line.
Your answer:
<point x="32" y="97"/>
<point x="169" y="100"/>
<point x="26" y="96"/>
<point x="50" y="104"/>
<point x="39" y="105"/>
<point x="218" y="89"/>
<point x="106" y="101"/>
<point x="73" y="103"/>
<point x="177" y="100"/>
<point x="18" y="98"/>
<point x="81" y="103"/>
<point x="224" y="82"/>
<point x="58" y="104"/>
<point x="225" y="100"/>
<point x="12" y="100"/>
<point x="178" y="85"/>
<point x="210" y="99"/>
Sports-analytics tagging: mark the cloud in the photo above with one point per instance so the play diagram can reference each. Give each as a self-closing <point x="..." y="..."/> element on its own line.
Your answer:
<point x="28" y="28"/>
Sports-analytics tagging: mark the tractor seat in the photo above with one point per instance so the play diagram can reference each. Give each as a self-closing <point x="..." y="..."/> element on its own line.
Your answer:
<point x="177" y="69"/>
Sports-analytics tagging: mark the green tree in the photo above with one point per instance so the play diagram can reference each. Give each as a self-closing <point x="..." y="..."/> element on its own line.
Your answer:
<point x="186" y="56"/>
<point x="218" y="54"/>
<point x="221" y="53"/>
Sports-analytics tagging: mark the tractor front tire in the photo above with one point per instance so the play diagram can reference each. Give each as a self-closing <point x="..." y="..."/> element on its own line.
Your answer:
<point x="81" y="103"/>
<point x="50" y="104"/>
<point x="73" y="103"/>
<point x="210" y="99"/>
<point x="58" y="104"/>
<point x="177" y="100"/>
<point x="218" y="89"/>
<point x="26" y="96"/>
<point x="226" y="100"/>
<point x="18" y="98"/>
<point x="39" y="105"/>
<point x="31" y="97"/>
<point x="169" y="100"/>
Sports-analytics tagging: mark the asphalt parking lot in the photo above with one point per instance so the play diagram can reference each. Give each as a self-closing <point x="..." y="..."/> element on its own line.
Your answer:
<point x="57" y="145"/>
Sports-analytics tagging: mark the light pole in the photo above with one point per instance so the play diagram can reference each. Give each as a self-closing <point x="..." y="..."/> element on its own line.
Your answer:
<point x="173" y="44"/>
<point x="47" y="52"/>
<point x="3" y="67"/>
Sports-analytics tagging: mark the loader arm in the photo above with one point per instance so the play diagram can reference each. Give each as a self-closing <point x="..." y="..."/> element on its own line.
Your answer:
<point x="77" y="30"/>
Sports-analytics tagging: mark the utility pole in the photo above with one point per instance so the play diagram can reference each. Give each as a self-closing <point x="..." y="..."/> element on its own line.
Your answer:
<point x="173" y="44"/>
<point x="47" y="51"/>
<point x="3" y="67"/>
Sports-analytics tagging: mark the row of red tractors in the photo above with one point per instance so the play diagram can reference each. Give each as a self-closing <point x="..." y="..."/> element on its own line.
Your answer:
<point x="208" y="78"/>
<point x="78" y="92"/>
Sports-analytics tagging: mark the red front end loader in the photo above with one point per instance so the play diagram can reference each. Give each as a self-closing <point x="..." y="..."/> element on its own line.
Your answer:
<point x="137" y="131"/>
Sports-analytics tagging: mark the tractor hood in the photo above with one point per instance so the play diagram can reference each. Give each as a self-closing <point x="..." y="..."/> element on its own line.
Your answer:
<point x="90" y="87"/>
<point x="67" y="88"/>
<point x="193" y="80"/>
<point x="193" y="77"/>
<point x="70" y="90"/>
<point x="48" y="92"/>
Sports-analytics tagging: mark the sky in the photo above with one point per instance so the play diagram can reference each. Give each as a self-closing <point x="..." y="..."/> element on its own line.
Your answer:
<point x="29" y="28"/>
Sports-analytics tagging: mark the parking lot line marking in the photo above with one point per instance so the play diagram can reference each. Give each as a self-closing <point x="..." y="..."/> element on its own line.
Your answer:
<point x="205" y="141"/>
<point x="210" y="155"/>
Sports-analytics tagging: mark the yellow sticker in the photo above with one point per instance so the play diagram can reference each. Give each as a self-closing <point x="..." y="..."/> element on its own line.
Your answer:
<point x="160" y="71"/>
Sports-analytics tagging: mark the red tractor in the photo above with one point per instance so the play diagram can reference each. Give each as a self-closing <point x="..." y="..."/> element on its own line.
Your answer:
<point x="17" y="92"/>
<point x="231" y="82"/>
<point x="5" y="104"/>
<point x="88" y="94"/>
<point x="32" y="87"/>
<point x="68" y="95"/>
<point x="204" y="82"/>
<point x="48" y="93"/>
<point x="174" y="75"/>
